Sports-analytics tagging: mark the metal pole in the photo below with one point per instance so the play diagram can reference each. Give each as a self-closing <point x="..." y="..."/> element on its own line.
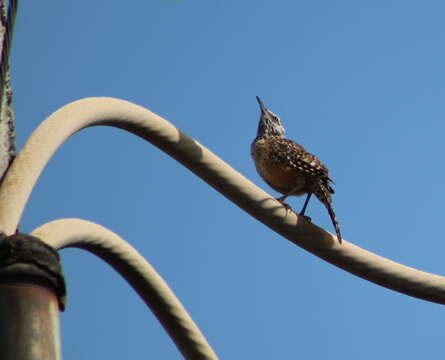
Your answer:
<point x="7" y="131"/>
<point x="29" y="325"/>
<point x="32" y="291"/>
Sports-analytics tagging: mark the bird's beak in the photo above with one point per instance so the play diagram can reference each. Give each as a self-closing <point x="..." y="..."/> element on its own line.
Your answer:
<point x="262" y="107"/>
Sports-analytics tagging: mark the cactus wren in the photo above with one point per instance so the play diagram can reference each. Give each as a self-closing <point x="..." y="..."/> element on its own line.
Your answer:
<point x="287" y="167"/>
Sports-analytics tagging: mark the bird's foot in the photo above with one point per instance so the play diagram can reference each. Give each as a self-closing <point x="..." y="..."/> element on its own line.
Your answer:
<point x="285" y="205"/>
<point x="306" y="217"/>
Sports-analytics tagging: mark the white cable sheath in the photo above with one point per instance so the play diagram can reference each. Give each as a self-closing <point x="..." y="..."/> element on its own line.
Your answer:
<point x="127" y="261"/>
<point x="66" y="121"/>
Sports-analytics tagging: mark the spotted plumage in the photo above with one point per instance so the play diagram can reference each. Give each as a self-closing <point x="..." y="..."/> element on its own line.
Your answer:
<point x="287" y="167"/>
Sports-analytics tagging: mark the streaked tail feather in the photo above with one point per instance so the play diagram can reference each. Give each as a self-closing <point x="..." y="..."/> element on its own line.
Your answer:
<point x="323" y="194"/>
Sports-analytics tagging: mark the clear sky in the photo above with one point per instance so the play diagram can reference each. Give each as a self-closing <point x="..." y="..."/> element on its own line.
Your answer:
<point x="361" y="84"/>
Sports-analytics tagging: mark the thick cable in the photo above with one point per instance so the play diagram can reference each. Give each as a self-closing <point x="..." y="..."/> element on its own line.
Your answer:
<point x="154" y="291"/>
<point x="66" y="121"/>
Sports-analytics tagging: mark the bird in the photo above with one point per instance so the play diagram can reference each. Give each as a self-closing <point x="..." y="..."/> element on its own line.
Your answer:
<point x="288" y="167"/>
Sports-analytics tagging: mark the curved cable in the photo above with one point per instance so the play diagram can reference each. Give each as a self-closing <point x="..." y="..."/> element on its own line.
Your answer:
<point x="127" y="261"/>
<point x="46" y="139"/>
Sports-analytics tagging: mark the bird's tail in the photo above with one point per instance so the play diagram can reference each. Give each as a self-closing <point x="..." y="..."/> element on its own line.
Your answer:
<point x="323" y="194"/>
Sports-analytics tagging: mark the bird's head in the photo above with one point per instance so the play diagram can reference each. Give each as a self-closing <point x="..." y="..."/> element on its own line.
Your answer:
<point x="270" y="124"/>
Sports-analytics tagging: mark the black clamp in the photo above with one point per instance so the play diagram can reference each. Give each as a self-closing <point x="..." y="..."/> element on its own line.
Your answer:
<point x="25" y="257"/>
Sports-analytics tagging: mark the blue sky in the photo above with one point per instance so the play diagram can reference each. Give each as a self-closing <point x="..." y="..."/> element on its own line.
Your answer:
<point x="359" y="84"/>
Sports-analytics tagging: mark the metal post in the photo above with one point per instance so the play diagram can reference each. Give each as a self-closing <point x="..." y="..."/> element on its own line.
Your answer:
<point x="32" y="291"/>
<point x="7" y="132"/>
<point x="29" y="325"/>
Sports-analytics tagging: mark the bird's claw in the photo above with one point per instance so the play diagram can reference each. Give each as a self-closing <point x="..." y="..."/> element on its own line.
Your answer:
<point x="285" y="205"/>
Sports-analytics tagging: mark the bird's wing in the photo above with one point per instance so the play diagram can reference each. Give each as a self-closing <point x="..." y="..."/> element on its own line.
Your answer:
<point x="289" y="152"/>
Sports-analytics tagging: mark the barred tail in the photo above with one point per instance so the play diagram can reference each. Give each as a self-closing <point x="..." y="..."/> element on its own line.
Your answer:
<point x="323" y="194"/>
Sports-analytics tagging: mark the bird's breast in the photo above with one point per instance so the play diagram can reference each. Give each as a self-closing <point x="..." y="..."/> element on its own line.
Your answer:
<point x="278" y="175"/>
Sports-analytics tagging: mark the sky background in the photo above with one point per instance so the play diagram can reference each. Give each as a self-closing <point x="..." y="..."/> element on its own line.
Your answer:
<point x="361" y="84"/>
